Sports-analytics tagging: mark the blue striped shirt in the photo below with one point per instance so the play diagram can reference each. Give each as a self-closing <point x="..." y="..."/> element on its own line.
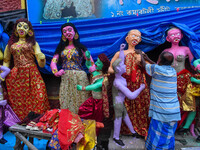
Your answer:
<point x="164" y="104"/>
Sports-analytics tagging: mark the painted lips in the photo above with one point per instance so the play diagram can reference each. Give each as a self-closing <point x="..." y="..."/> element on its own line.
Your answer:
<point x="135" y="42"/>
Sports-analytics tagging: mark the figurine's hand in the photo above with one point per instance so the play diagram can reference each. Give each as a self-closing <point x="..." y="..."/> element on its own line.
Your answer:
<point x="142" y="86"/>
<point x="122" y="46"/>
<point x="59" y="73"/>
<point x="197" y="68"/>
<point x="87" y="54"/>
<point x="41" y="56"/>
<point x="79" y="87"/>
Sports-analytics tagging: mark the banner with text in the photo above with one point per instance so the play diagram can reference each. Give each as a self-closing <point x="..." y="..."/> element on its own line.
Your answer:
<point x="59" y="10"/>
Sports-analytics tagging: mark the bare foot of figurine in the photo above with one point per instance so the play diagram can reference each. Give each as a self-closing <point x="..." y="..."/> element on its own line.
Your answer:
<point x="121" y="2"/>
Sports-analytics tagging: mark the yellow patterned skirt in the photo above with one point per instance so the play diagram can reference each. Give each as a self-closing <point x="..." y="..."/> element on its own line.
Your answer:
<point x="70" y="98"/>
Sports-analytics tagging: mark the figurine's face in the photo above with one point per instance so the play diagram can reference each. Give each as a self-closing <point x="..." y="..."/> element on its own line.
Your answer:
<point x="22" y="29"/>
<point x="99" y="64"/>
<point x="174" y="36"/>
<point x="68" y="32"/>
<point x="133" y="38"/>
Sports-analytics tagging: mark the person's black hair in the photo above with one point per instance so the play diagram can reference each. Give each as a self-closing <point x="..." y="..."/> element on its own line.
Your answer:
<point x="166" y="58"/>
<point x="62" y="44"/>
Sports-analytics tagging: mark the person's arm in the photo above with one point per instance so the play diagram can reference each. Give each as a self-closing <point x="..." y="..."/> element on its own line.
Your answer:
<point x="96" y="85"/>
<point x="41" y="59"/>
<point x="7" y="57"/>
<point x="127" y="92"/>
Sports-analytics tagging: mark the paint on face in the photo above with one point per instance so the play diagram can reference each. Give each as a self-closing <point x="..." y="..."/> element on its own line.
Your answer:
<point x="174" y="35"/>
<point x="22" y="29"/>
<point x="68" y="32"/>
<point x="134" y="37"/>
<point x="99" y="64"/>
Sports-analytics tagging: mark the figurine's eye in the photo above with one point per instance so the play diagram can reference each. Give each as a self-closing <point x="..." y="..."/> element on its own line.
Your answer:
<point x="25" y="27"/>
<point x="69" y="29"/>
<point x="178" y="33"/>
<point x="19" y="25"/>
<point x="133" y="35"/>
<point x="64" y="31"/>
<point x="172" y="35"/>
<point x="138" y="37"/>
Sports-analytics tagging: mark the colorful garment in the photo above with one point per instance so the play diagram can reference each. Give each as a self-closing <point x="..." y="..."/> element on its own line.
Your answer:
<point x="183" y="79"/>
<point x="164" y="104"/>
<point x="25" y="86"/>
<point x="70" y="98"/>
<point x="93" y="107"/>
<point x="137" y="109"/>
<point x="161" y="135"/>
<point x="69" y="126"/>
<point x="193" y="90"/>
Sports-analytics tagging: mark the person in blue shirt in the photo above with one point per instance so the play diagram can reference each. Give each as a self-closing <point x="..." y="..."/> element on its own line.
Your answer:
<point x="164" y="109"/>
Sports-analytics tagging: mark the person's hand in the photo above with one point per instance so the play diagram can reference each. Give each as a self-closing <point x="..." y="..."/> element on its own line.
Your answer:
<point x="142" y="86"/>
<point x="138" y="59"/>
<point x="87" y="54"/>
<point x="79" y="87"/>
<point x="59" y="73"/>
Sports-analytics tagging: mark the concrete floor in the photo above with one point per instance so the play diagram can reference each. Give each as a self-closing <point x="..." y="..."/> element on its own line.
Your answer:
<point x="183" y="142"/>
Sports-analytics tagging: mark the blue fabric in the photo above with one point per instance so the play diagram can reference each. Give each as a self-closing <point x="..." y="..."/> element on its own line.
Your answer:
<point x="105" y="35"/>
<point x="161" y="135"/>
<point x="164" y="104"/>
<point x="3" y="38"/>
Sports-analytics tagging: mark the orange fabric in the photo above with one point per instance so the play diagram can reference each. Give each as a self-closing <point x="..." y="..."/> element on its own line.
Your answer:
<point x="69" y="126"/>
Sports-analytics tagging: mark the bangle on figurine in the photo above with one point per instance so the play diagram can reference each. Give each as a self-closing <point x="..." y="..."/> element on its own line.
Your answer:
<point x="55" y="60"/>
<point x="54" y="71"/>
<point x="83" y="88"/>
<point x="2" y="79"/>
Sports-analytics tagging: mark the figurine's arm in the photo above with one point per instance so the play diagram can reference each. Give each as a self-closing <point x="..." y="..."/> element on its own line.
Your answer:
<point x="127" y="92"/>
<point x="189" y="53"/>
<point x="5" y="72"/>
<point x="110" y="69"/>
<point x="96" y="85"/>
<point x="39" y="55"/>
<point x="7" y="57"/>
<point x="1" y="55"/>
<point x="54" y="68"/>
<point x="195" y="80"/>
<point x="196" y="64"/>
<point x="88" y="61"/>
